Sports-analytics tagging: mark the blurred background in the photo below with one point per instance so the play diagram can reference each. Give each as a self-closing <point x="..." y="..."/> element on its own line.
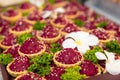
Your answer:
<point x="108" y="8"/>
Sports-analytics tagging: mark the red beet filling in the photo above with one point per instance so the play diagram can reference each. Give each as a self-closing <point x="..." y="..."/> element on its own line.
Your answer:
<point x="5" y="30"/>
<point x="10" y="13"/>
<point x="88" y="68"/>
<point x="21" y="25"/>
<point x="20" y="64"/>
<point x="70" y="28"/>
<point x="68" y="56"/>
<point x="31" y="46"/>
<point x="90" y="25"/>
<point x="60" y="20"/>
<point x="13" y="51"/>
<point x="9" y="40"/>
<point x="25" y="5"/>
<point x="72" y="12"/>
<point x="49" y="32"/>
<point x="82" y="17"/>
<point x="60" y="41"/>
<point x="101" y="34"/>
<point x="112" y="26"/>
<point x="30" y="76"/>
<point x="3" y="22"/>
<point x="35" y="16"/>
<point x="55" y="73"/>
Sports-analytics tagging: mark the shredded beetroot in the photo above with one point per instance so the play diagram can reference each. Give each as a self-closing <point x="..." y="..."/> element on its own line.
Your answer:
<point x="20" y="64"/>
<point x="68" y="56"/>
<point x="88" y="68"/>
<point x="35" y="16"/>
<point x="13" y="51"/>
<point x="55" y="73"/>
<point x="70" y="28"/>
<point x="9" y="40"/>
<point x="60" y="20"/>
<point x="30" y="76"/>
<point x="101" y="34"/>
<point x="21" y="25"/>
<point x="25" y="5"/>
<point x="10" y="13"/>
<point x="31" y="46"/>
<point x="49" y="32"/>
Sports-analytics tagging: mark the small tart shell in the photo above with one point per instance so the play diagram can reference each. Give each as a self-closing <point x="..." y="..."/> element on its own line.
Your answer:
<point x="32" y="8"/>
<point x="26" y="74"/>
<point x="65" y="33"/>
<point x="13" y="18"/>
<point x="50" y="40"/>
<point x="112" y="32"/>
<point x="108" y="39"/>
<point x="34" y="54"/>
<point x="57" y="25"/>
<point x="103" y="70"/>
<point x="17" y="33"/>
<point x="99" y="70"/>
<point x="74" y="16"/>
<point x="33" y="22"/>
<point x="0" y="28"/>
<point x="14" y="73"/>
<point x="4" y="46"/>
<point x="60" y="4"/>
<point x="65" y="65"/>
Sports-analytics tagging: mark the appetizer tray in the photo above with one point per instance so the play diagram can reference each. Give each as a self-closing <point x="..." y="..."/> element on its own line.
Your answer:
<point x="107" y="8"/>
<point x="59" y="40"/>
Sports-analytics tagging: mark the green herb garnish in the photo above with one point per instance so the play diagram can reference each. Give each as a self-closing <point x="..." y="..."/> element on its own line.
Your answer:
<point x="72" y="74"/>
<point x="44" y="70"/>
<point x="113" y="46"/>
<point x="23" y="37"/>
<point x="51" y="1"/>
<point x="5" y="58"/>
<point x="102" y="24"/>
<point x="38" y="25"/>
<point x="78" y="22"/>
<point x="25" y="14"/>
<point x="55" y="47"/>
<point x="90" y="54"/>
<point x="41" y="64"/>
<point x="4" y="9"/>
<point x="1" y="37"/>
<point x="12" y="24"/>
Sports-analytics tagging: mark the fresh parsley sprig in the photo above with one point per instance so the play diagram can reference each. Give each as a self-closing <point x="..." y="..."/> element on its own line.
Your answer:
<point x="5" y="58"/>
<point x="1" y="37"/>
<point x="113" y="46"/>
<point x="51" y="1"/>
<point x="4" y="9"/>
<point x="55" y="47"/>
<point x="38" y="25"/>
<point x="25" y="14"/>
<point x="102" y="24"/>
<point x="90" y="54"/>
<point x="72" y="74"/>
<point x="41" y="64"/>
<point x="79" y="22"/>
<point x="23" y="37"/>
<point x="12" y="24"/>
